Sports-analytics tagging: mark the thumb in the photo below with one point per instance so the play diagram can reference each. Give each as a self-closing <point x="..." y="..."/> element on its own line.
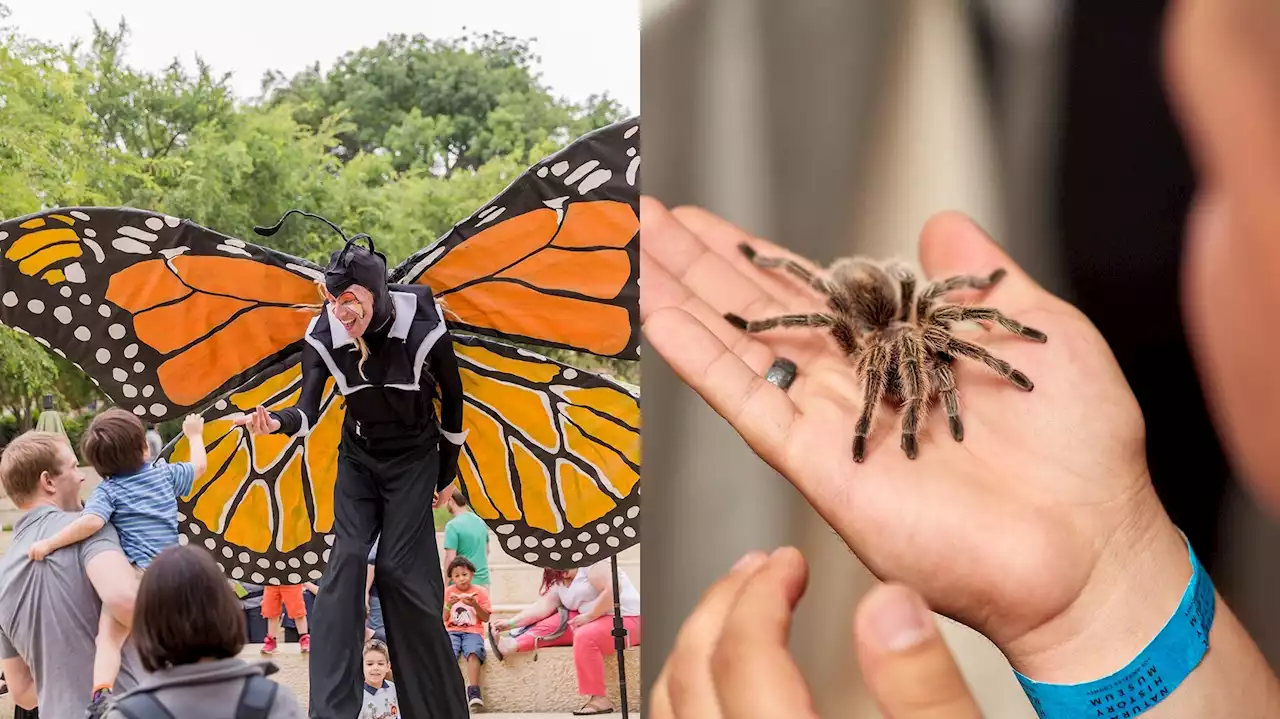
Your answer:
<point x="904" y="660"/>
<point x="953" y="244"/>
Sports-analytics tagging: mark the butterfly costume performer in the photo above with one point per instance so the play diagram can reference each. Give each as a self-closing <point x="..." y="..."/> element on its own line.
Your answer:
<point x="339" y="400"/>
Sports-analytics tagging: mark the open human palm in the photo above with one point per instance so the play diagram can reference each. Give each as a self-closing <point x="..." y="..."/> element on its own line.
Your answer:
<point x="1002" y="531"/>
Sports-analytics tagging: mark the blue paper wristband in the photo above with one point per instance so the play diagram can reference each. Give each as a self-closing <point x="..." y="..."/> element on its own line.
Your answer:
<point x="1151" y="676"/>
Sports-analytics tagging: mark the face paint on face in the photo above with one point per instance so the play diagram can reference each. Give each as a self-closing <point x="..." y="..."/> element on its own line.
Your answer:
<point x="353" y="308"/>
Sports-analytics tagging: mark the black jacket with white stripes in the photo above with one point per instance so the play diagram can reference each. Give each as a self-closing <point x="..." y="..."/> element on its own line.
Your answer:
<point x="389" y="401"/>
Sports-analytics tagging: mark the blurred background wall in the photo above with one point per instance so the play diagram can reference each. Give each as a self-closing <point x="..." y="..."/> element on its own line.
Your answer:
<point x="839" y="126"/>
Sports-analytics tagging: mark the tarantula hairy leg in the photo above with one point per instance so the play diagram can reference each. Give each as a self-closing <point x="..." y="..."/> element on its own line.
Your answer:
<point x="912" y="388"/>
<point x="795" y="268"/>
<point x="809" y="320"/>
<point x="958" y="313"/>
<point x="945" y="382"/>
<point x="873" y="367"/>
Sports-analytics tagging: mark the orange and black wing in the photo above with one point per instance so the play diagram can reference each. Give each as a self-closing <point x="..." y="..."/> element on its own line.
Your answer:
<point x="551" y="463"/>
<point x="162" y="314"/>
<point x="552" y="456"/>
<point x="264" y="506"/>
<point x="554" y="259"/>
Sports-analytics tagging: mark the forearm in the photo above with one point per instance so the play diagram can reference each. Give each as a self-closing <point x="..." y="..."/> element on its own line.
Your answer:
<point x="1233" y="678"/>
<point x="600" y="606"/>
<point x="77" y="531"/>
<point x="532" y="613"/>
<point x="1112" y="625"/>
<point x="25" y="696"/>
<point x="199" y="457"/>
<point x="22" y="686"/>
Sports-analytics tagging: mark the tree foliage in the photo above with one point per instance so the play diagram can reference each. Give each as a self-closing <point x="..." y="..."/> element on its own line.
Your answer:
<point x="401" y="140"/>
<point x="438" y="105"/>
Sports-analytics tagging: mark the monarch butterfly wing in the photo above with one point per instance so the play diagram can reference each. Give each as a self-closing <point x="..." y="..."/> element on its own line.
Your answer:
<point x="552" y="457"/>
<point x="264" y="506"/>
<point x="162" y="314"/>
<point x="554" y="259"/>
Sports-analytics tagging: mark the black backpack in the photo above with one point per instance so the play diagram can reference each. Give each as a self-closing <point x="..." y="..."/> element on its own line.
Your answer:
<point x="255" y="702"/>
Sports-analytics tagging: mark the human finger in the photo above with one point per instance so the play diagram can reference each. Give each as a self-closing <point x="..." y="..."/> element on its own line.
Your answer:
<point x="904" y="660"/>
<point x="722" y="284"/>
<point x="687" y="673"/>
<point x="952" y="244"/>
<point x="659" y="289"/>
<point x="660" y="700"/>
<point x="761" y="412"/>
<point x="754" y="672"/>
<point x="727" y="240"/>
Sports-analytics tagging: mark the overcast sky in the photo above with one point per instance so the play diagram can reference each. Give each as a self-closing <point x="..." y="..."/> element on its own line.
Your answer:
<point x="586" y="46"/>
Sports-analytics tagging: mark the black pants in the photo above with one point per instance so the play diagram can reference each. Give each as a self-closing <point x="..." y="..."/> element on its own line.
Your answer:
<point x="391" y="493"/>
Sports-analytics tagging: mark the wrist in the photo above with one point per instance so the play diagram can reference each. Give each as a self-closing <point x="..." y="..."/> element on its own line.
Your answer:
<point x="1134" y="588"/>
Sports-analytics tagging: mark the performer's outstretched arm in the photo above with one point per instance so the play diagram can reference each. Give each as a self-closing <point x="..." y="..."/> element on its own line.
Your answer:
<point x="305" y="413"/>
<point x="444" y="367"/>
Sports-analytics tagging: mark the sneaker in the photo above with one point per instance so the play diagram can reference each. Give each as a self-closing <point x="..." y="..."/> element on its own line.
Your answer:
<point x="473" y="697"/>
<point x="269" y="646"/>
<point x="98" y="707"/>
<point x="304" y="643"/>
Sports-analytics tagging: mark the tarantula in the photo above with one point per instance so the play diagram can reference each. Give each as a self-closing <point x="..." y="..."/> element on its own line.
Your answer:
<point x="896" y="352"/>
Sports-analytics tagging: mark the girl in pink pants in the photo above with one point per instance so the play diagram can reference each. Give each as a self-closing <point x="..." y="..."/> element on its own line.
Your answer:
<point x="587" y="594"/>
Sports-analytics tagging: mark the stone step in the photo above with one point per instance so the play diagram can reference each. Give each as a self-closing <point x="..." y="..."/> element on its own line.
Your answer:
<point x="518" y="685"/>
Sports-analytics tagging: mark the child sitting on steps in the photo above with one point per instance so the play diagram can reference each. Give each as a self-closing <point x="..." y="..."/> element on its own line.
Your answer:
<point x="141" y="502"/>
<point x="466" y="609"/>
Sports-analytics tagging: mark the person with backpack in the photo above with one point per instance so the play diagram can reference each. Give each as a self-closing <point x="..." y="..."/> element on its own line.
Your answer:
<point x="189" y="628"/>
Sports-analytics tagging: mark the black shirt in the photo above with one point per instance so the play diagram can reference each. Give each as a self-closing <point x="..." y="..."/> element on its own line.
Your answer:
<point x="389" y="396"/>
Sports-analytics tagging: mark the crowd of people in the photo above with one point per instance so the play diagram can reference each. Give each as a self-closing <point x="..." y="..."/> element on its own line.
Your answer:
<point x="139" y="621"/>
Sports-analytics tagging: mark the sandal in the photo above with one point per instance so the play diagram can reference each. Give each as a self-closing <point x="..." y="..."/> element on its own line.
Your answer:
<point x="493" y="642"/>
<point x="588" y="710"/>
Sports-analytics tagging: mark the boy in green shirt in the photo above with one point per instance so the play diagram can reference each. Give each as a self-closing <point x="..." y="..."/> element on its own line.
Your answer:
<point x="466" y="536"/>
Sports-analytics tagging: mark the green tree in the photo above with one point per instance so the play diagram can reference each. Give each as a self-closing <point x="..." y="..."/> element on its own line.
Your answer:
<point x="439" y="105"/>
<point x="401" y="140"/>
<point x="49" y="149"/>
<point x="27" y="373"/>
<point x="149" y="116"/>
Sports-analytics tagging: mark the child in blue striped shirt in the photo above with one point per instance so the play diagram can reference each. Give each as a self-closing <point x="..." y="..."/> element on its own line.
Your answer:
<point x="140" y="499"/>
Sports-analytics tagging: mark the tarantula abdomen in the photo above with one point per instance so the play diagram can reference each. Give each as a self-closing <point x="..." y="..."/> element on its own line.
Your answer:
<point x="900" y="342"/>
